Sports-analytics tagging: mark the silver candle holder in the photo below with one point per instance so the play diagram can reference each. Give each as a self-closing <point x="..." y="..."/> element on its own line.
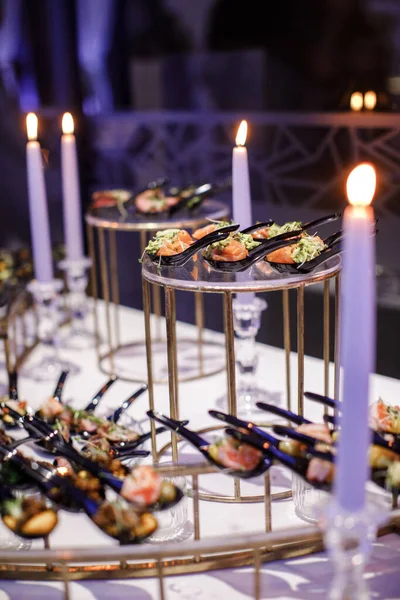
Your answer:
<point x="46" y="298"/>
<point x="246" y="323"/>
<point x="79" y="335"/>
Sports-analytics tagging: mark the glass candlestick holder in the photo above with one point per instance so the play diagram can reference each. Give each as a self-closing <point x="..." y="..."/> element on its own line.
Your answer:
<point x="79" y="335"/>
<point x="46" y="297"/>
<point x="246" y="323"/>
<point x="348" y="537"/>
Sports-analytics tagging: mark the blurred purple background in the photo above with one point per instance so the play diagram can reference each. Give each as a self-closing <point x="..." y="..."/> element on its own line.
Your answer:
<point x="157" y="87"/>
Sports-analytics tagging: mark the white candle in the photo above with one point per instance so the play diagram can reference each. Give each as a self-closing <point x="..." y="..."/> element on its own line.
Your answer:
<point x="39" y="218"/>
<point x="357" y="338"/>
<point x="70" y="186"/>
<point x="241" y="197"/>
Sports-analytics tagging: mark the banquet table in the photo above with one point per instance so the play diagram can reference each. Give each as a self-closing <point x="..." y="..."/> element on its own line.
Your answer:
<point x="301" y="578"/>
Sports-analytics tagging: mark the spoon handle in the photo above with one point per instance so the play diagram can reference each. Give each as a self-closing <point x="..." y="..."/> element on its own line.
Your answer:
<point x="325" y="400"/>
<point x="60" y="385"/>
<point x="191" y="436"/>
<point x="231" y="420"/>
<point x="96" y="399"/>
<point x="321" y="221"/>
<point x="126" y="404"/>
<point x="12" y="385"/>
<point x="296" y="435"/>
<point x="281" y="412"/>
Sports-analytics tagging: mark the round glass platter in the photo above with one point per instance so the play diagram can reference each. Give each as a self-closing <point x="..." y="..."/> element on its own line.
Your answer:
<point x="111" y="218"/>
<point x="198" y="276"/>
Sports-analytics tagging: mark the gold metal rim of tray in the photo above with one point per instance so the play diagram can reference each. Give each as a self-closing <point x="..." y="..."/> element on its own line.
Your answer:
<point x="127" y="562"/>
<point x="182" y="379"/>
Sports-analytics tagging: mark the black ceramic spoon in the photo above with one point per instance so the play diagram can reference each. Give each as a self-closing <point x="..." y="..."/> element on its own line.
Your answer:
<point x="38" y="429"/>
<point x="116" y="415"/>
<point x="263" y="248"/>
<point x="202" y="445"/>
<point x="121" y="446"/>
<point x="303" y="438"/>
<point x="236" y="422"/>
<point x="97" y="397"/>
<point x="10" y="504"/>
<point x="297" y="464"/>
<point x="54" y="439"/>
<point x="206" y="190"/>
<point x="333" y="247"/>
<point x="281" y="412"/>
<point x="305" y="227"/>
<point x="50" y="482"/>
<point x="178" y="260"/>
<point x="9" y="422"/>
<point x="57" y="395"/>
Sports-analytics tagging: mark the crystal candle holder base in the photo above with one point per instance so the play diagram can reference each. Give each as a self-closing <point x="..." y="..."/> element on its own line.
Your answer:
<point x="46" y="297"/>
<point x="348" y="537"/>
<point x="246" y="323"/>
<point x="79" y="336"/>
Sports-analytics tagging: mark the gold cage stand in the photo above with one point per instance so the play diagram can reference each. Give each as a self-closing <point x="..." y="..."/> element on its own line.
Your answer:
<point x="197" y="277"/>
<point x="103" y="226"/>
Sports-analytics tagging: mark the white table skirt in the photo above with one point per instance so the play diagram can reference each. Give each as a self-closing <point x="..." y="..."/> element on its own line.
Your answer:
<point x="305" y="578"/>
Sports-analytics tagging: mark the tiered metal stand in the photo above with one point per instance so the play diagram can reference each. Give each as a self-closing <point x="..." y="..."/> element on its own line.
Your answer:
<point x="103" y="225"/>
<point x="196" y="276"/>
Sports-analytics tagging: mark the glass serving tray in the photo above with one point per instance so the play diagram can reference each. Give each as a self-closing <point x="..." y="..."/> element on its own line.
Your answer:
<point x="198" y="276"/>
<point x="111" y="218"/>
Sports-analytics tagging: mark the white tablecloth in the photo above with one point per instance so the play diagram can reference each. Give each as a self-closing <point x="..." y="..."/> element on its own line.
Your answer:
<point x="306" y="578"/>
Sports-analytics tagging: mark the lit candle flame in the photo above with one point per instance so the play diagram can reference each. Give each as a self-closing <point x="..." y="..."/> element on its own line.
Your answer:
<point x="361" y="184"/>
<point x="370" y="100"/>
<point x="32" y="126"/>
<point x="356" y="101"/>
<point x="241" y="134"/>
<point x="67" y="123"/>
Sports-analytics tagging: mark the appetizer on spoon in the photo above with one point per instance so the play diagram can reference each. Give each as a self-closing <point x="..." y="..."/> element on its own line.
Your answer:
<point x="236" y="460"/>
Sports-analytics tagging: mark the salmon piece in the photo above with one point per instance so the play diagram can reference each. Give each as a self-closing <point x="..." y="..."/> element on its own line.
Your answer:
<point x="240" y="457"/>
<point x="385" y="417"/>
<point x="172" y="200"/>
<point x="178" y="244"/>
<point x="235" y="250"/>
<point x="200" y="233"/>
<point x="320" y="431"/>
<point x="282" y="255"/>
<point x="261" y="234"/>
<point x="142" y="485"/>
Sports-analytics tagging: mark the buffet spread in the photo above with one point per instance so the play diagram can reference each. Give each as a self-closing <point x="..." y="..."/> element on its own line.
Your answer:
<point x="60" y="457"/>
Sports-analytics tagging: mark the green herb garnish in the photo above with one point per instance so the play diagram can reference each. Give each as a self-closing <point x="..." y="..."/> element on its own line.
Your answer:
<point x="276" y="229"/>
<point x="307" y="248"/>
<point x="158" y="240"/>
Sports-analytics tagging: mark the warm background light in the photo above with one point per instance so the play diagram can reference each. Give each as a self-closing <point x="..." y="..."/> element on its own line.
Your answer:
<point x="369" y="100"/>
<point x="361" y="184"/>
<point x="67" y="123"/>
<point x="356" y="101"/>
<point x="241" y="134"/>
<point x="32" y="126"/>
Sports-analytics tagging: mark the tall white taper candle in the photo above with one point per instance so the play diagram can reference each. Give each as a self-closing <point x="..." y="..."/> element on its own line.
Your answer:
<point x="241" y="196"/>
<point x="357" y="338"/>
<point x="39" y="218"/>
<point x="71" y="196"/>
